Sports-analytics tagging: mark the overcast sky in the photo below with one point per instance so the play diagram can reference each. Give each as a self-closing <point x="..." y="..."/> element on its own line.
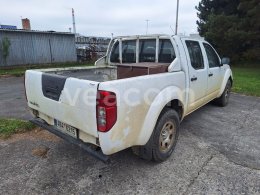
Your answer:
<point x="102" y="17"/>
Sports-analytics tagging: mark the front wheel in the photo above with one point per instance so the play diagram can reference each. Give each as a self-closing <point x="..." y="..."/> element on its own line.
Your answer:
<point x="224" y="98"/>
<point x="164" y="138"/>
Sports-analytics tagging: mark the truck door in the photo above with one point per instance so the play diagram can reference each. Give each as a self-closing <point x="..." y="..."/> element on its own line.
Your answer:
<point x="214" y="71"/>
<point x="197" y="73"/>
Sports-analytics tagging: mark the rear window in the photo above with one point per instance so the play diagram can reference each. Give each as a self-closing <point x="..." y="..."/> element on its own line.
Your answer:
<point x="166" y="51"/>
<point x="115" y="53"/>
<point x="129" y="51"/>
<point x="147" y="50"/>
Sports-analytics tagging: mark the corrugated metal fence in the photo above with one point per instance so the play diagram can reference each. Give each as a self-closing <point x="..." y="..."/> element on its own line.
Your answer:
<point x="36" y="47"/>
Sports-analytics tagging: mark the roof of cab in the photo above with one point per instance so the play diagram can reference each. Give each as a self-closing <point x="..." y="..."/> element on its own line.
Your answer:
<point x="192" y="36"/>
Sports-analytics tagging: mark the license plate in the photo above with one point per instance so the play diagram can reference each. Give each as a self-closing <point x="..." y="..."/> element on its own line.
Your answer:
<point x="63" y="127"/>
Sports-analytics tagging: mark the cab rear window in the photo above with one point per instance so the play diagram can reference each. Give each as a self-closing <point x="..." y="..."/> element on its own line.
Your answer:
<point x="115" y="53"/>
<point x="147" y="51"/>
<point x="128" y="52"/>
<point x="166" y="51"/>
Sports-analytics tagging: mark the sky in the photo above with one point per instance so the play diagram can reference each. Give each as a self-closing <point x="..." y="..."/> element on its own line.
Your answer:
<point x="102" y="17"/>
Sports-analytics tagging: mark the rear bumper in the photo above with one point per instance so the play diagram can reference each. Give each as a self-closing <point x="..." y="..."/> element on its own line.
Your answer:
<point x="97" y="154"/>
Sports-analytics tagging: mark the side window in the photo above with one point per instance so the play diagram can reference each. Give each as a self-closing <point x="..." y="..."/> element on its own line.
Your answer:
<point x="166" y="51"/>
<point x="129" y="51"/>
<point x="115" y="53"/>
<point x="212" y="56"/>
<point x="195" y="54"/>
<point x="147" y="50"/>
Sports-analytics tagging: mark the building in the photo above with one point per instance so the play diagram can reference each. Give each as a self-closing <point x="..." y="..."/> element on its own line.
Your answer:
<point x="36" y="47"/>
<point x="8" y="27"/>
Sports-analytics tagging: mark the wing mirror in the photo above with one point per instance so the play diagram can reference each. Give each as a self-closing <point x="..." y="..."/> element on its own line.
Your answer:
<point x="225" y="61"/>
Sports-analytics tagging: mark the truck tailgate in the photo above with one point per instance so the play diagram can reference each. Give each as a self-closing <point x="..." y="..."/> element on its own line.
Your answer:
<point x="68" y="100"/>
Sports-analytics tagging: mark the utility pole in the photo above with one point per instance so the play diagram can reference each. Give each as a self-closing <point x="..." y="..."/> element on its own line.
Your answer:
<point x="177" y="18"/>
<point x="73" y="21"/>
<point x="147" y="26"/>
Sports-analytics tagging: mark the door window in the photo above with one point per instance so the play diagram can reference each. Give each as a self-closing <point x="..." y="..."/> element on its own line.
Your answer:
<point x="147" y="50"/>
<point x="195" y="54"/>
<point x="212" y="56"/>
<point x="166" y="51"/>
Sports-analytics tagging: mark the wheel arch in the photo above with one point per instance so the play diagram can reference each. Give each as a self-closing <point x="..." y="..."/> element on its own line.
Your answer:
<point x="176" y="105"/>
<point x="171" y="97"/>
<point x="231" y="80"/>
<point x="228" y="76"/>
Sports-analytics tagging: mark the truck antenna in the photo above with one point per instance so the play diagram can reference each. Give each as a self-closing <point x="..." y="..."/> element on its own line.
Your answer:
<point x="147" y="26"/>
<point x="172" y="29"/>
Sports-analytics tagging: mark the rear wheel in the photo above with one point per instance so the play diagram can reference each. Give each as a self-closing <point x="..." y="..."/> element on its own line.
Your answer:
<point x="164" y="138"/>
<point x="224" y="98"/>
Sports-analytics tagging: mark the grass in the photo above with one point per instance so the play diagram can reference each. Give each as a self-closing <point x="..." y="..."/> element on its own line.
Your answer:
<point x="9" y="127"/>
<point x="246" y="80"/>
<point x="19" y="71"/>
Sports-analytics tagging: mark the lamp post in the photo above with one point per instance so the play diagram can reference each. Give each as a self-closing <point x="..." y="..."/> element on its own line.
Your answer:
<point x="177" y="18"/>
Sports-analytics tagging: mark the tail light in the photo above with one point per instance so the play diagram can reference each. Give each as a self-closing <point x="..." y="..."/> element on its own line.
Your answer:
<point x="106" y="110"/>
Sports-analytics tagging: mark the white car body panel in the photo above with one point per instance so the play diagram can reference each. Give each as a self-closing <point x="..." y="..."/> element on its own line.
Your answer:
<point x="137" y="120"/>
<point x="227" y="74"/>
<point x="67" y="111"/>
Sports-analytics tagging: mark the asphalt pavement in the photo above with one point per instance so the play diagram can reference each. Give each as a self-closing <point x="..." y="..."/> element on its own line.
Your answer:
<point x="218" y="152"/>
<point x="12" y="98"/>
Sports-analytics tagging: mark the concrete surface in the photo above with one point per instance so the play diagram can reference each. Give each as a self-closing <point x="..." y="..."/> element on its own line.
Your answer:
<point x="218" y="153"/>
<point x="12" y="98"/>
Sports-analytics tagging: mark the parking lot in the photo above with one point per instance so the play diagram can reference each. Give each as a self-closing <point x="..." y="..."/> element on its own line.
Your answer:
<point x="218" y="153"/>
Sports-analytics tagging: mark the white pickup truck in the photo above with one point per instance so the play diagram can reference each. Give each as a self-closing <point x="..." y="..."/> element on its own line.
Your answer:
<point x="136" y="96"/>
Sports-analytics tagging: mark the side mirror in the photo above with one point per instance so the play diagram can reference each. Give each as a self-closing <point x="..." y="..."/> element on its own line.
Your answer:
<point x="225" y="61"/>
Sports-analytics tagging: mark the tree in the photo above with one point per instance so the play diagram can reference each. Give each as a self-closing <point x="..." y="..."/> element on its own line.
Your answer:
<point x="250" y="22"/>
<point x="207" y="8"/>
<point x="232" y="26"/>
<point x="5" y="48"/>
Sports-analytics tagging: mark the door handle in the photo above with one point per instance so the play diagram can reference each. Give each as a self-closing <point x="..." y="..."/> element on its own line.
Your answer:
<point x="210" y="75"/>
<point x="194" y="79"/>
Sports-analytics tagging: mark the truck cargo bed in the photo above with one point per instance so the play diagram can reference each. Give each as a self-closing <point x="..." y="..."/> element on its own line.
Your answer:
<point x="92" y="74"/>
<point x="119" y="71"/>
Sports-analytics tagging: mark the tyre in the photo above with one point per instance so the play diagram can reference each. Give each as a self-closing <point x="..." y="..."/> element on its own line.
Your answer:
<point x="224" y="98"/>
<point x="163" y="139"/>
